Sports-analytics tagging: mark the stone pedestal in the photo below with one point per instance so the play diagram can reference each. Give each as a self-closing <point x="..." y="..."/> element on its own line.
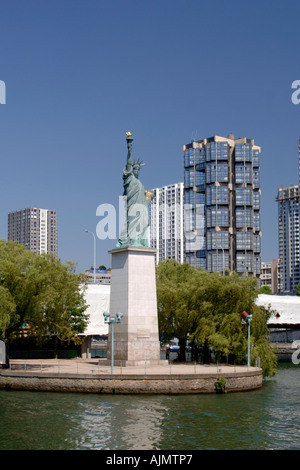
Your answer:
<point x="133" y="293"/>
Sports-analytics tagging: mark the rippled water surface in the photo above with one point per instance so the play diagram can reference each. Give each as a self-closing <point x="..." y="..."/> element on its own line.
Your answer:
<point x="268" y="418"/>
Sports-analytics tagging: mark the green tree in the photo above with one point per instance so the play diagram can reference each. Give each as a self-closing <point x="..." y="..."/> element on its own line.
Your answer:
<point x="176" y="307"/>
<point x="225" y="298"/>
<point x="7" y="309"/>
<point x="265" y="290"/>
<point x="206" y="308"/>
<point x="41" y="292"/>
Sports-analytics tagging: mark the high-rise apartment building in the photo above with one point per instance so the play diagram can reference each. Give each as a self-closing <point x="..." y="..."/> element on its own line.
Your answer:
<point x="222" y="204"/>
<point x="166" y="222"/>
<point x="289" y="238"/>
<point x="269" y="275"/>
<point x="35" y="228"/>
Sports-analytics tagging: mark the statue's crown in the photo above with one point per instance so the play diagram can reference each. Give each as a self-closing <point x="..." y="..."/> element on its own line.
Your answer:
<point x="138" y="163"/>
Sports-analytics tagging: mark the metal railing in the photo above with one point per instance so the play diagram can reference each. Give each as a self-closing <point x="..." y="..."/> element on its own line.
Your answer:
<point x="79" y="367"/>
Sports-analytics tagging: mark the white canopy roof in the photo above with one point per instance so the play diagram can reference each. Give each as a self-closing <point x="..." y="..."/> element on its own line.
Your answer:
<point x="288" y="307"/>
<point x="97" y="297"/>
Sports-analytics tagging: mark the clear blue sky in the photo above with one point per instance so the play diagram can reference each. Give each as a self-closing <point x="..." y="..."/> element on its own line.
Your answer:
<point x="80" y="73"/>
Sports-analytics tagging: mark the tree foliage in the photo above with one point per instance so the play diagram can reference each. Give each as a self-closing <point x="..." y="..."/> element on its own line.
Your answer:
<point x="265" y="290"/>
<point x="206" y="309"/>
<point x="41" y="292"/>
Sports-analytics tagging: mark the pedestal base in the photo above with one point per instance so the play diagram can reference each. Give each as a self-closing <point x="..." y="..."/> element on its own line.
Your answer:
<point x="133" y="293"/>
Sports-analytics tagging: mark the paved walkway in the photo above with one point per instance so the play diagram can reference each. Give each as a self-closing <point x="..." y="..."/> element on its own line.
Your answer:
<point x="95" y="366"/>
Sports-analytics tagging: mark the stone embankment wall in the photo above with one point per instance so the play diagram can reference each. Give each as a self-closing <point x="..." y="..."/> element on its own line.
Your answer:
<point x="198" y="383"/>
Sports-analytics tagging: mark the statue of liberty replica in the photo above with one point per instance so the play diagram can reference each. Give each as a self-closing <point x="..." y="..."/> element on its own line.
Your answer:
<point x="133" y="283"/>
<point x="136" y="228"/>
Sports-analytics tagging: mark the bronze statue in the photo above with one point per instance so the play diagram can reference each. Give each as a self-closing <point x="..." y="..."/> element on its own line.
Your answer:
<point x="136" y="228"/>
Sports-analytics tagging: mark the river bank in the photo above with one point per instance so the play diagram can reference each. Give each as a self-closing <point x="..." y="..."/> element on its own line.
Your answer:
<point x="95" y="376"/>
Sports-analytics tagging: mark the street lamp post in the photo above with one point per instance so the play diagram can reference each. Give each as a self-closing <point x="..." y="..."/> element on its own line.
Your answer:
<point x="94" y="254"/>
<point x="247" y="318"/>
<point x="111" y="321"/>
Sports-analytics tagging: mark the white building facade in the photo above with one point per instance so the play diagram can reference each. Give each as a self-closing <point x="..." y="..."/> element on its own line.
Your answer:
<point x="34" y="228"/>
<point x="166" y="222"/>
<point x="289" y="238"/>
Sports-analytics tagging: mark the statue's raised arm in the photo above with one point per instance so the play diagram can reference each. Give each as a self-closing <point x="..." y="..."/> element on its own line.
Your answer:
<point x="129" y="147"/>
<point x="135" y="231"/>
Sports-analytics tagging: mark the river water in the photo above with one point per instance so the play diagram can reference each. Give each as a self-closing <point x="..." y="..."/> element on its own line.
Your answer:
<point x="268" y="418"/>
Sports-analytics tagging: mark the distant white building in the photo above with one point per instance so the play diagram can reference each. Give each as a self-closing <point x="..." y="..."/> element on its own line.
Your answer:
<point x="34" y="228"/>
<point x="289" y="238"/>
<point x="269" y="275"/>
<point x="102" y="276"/>
<point x="166" y="222"/>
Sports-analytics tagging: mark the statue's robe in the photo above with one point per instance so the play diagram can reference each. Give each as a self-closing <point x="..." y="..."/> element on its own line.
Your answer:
<point x="136" y="228"/>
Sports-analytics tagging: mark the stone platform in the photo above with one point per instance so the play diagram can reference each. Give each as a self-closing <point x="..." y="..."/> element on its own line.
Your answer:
<point x="93" y="376"/>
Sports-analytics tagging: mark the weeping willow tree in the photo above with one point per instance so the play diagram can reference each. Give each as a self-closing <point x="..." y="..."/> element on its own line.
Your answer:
<point x="41" y="292"/>
<point x="206" y="309"/>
